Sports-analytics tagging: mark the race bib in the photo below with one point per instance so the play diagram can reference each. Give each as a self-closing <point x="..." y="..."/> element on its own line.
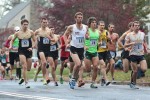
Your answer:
<point x="80" y="40"/>
<point x="45" y="41"/>
<point x="138" y="46"/>
<point x="93" y="42"/>
<point x="103" y="45"/>
<point x="113" y="54"/>
<point x="53" y="48"/>
<point x="25" y="43"/>
<point x="3" y="60"/>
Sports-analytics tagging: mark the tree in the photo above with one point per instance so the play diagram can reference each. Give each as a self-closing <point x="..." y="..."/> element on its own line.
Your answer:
<point x="111" y="11"/>
<point x="7" y="5"/>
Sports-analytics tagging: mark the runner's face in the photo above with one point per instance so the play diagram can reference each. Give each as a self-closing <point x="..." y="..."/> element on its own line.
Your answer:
<point x="93" y="24"/>
<point x="25" y="25"/>
<point x="131" y="28"/>
<point x="52" y="30"/>
<point x="136" y="26"/>
<point x="111" y="28"/>
<point x="101" y="26"/>
<point x="44" y="23"/>
<point x="79" y="19"/>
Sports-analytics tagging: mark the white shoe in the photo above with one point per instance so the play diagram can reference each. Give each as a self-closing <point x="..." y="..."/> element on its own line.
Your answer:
<point x="27" y="85"/>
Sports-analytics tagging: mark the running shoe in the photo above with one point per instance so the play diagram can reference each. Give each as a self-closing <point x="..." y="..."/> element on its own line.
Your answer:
<point x="103" y="82"/>
<point x="61" y="80"/>
<point x="133" y="86"/>
<point x="72" y="83"/>
<point x="56" y="84"/>
<point x="21" y="81"/>
<point x="93" y="85"/>
<point x="35" y="78"/>
<point x="27" y="85"/>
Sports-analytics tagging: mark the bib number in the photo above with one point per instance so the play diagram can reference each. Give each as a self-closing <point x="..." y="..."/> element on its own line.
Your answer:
<point x="113" y="54"/>
<point x="138" y="46"/>
<point x="93" y="42"/>
<point x="25" y="43"/>
<point x="3" y="60"/>
<point x="45" y="41"/>
<point x="53" y="48"/>
<point x="80" y="40"/>
<point x="103" y="45"/>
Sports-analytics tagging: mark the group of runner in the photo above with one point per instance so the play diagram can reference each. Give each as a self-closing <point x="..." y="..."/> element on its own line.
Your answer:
<point x="84" y="48"/>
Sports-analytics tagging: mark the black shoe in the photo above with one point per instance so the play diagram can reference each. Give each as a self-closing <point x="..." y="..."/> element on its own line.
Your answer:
<point x="21" y="81"/>
<point x="107" y="83"/>
<point x="48" y="81"/>
<point x="56" y="84"/>
<point x="103" y="82"/>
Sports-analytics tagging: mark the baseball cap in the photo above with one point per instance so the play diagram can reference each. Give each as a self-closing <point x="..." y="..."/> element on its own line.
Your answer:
<point x="17" y="28"/>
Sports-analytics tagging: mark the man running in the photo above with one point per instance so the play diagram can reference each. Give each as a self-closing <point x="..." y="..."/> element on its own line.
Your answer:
<point x="125" y="52"/>
<point x="77" y="32"/>
<point x="112" y="44"/>
<point x="103" y="52"/>
<point x="14" y="56"/>
<point x="44" y="38"/>
<point x="136" y="39"/>
<point x="25" y="36"/>
<point x="91" y="43"/>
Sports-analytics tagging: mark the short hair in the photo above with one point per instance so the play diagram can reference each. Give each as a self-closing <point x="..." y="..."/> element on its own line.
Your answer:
<point x="24" y="20"/>
<point x="101" y="21"/>
<point x="130" y="24"/>
<point x="78" y="13"/>
<point x="43" y="18"/>
<point x="110" y="24"/>
<point x="137" y="22"/>
<point x="90" y="20"/>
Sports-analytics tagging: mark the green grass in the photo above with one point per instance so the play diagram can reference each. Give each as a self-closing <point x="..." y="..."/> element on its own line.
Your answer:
<point x="119" y="75"/>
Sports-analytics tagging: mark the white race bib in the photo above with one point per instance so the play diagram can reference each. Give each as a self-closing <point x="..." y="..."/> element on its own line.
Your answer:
<point x="25" y="43"/>
<point x="113" y="54"/>
<point x="103" y="45"/>
<point x="53" y="48"/>
<point x="93" y="42"/>
<point x="80" y="40"/>
<point x="3" y="60"/>
<point x="45" y="41"/>
<point x="138" y="46"/>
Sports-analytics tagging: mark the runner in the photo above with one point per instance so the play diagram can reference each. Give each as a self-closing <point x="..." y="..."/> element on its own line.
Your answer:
<point x="125" y="52"/>
<point x="44" y="37"/>
<point x="112" y="45"/>
<point x="64" y="56"/>
<point x="14" y="56"/>
<point x="136" y="39"/>
<point x="103" y="52"/>
<point x="25" y="49"/>
<point x="91" y="43"/>
<point x="53" y="55"/>
<point x="77" y="32"/>
<point x="3" y="63"/>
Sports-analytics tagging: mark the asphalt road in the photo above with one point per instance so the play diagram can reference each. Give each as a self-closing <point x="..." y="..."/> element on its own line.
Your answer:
<point x="10" y="90"/>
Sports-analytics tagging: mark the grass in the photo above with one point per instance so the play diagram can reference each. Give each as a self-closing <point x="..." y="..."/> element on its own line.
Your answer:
<point x="119" y="75"/>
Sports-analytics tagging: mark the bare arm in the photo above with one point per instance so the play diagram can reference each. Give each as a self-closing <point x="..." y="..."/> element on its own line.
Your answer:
<point x="67" y="33"/>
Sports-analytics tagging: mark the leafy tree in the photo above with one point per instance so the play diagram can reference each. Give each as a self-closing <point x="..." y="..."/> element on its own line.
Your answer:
<point x="120" y="12"/>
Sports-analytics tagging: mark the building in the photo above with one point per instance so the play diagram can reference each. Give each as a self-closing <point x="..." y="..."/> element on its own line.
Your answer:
<point x="25" y="10"/>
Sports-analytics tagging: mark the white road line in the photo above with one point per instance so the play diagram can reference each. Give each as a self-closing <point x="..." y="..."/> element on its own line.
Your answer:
<point x="27" y="96"/>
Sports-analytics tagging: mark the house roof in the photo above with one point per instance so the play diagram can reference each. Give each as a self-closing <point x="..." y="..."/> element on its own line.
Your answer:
<point x="12" y="13"/>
